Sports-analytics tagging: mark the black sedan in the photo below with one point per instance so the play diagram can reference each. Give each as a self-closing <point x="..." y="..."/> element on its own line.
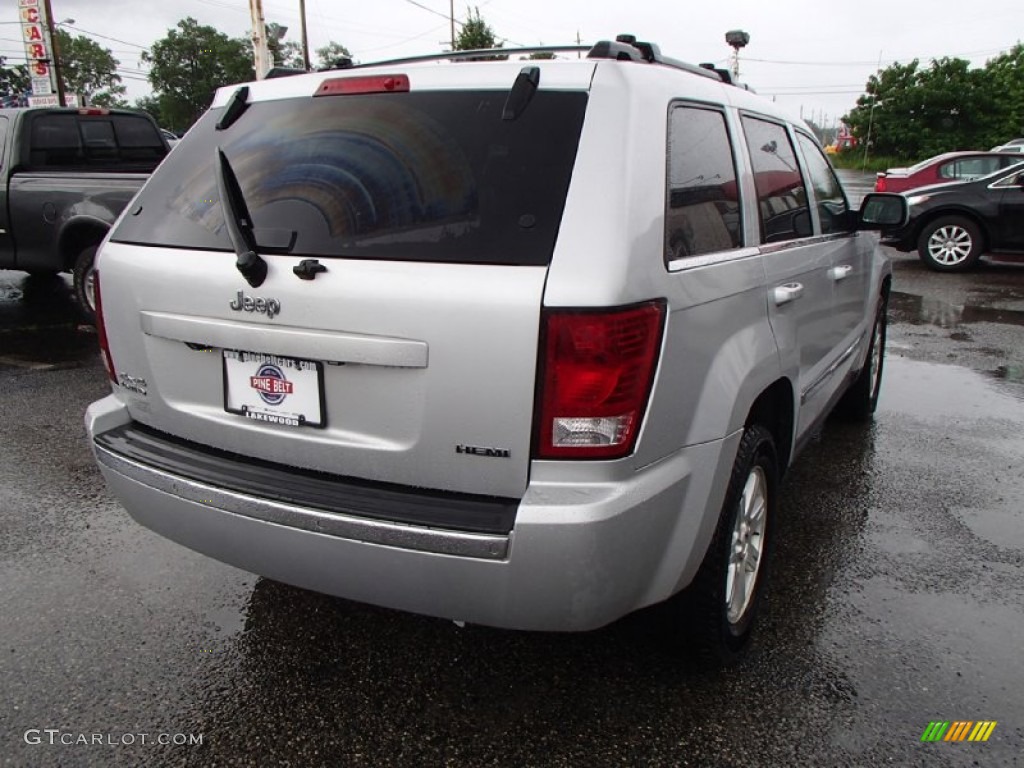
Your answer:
<point x="951" y="225"/>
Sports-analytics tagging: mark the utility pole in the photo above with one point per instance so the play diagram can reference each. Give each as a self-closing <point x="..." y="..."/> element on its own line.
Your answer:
<point x="58" y="70"/>
<point x="260" y="49"/>
<point x="451" y="16"/>
<point x="305" y="42"/>
<point x="578" y="43"/>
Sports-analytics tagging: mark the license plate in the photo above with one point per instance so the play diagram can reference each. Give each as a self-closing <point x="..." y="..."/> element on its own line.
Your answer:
<point x="273" y="389"/>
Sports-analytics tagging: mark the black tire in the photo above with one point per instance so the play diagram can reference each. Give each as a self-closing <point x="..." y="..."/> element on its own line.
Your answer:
<point x="861" y="399"/>
<point x="83" y="283"/>
<point x="950" y="244"/>
<point x="704" y="624"/>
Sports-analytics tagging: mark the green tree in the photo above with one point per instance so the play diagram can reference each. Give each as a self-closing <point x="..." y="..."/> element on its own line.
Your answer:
<point x="912" y="112"/>
<point x="331" y="55"/>
<point x="475" y="34"/>
<point x="189" y="64"/>
<point x="887" y="115"/>
<point x="1004" y="76"/>
<point x="14" y="82"/>
<point x="89" y="69"/>
<point x="150" y="104"/>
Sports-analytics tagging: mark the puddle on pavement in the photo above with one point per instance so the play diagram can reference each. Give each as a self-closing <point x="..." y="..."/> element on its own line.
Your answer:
<point x="923" y="310"/>
<point x="48" y="347"/>
<point x="39" y="324"/>
<point x="956" y="396"/>
<point x="931" y="391"/>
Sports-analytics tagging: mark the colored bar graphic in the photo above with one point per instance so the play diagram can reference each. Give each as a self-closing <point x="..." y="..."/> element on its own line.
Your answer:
<point x="959" y="730"/>
<point x="982" y="730"/>
<point x="935" y="730"/>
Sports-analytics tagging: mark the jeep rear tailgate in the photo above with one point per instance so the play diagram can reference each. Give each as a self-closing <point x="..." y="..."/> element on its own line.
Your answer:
<point x="408" y="354"/>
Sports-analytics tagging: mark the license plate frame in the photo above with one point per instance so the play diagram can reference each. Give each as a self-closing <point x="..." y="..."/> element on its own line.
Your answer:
<point x="274" y="389"/>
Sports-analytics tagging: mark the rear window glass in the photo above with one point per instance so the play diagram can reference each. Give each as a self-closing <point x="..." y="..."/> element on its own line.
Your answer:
<point x="703" y="214"/>
<point x="94" y="142"/>
<point x="428" y="176"/>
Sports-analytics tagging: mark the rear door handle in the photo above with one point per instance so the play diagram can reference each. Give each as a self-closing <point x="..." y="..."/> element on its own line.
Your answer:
<point x="783" y="294"/>
<point x="840" y="273"/>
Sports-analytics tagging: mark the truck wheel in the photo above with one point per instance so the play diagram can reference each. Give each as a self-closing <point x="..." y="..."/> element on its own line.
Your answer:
<point x="85" y="293"/>
<point x="860" y="400"/>
<point x="715" y="614"/>
<point x="950" y="244"/>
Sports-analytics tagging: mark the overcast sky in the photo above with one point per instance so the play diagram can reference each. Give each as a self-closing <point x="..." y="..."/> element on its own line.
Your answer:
<point x="814" y="56"/>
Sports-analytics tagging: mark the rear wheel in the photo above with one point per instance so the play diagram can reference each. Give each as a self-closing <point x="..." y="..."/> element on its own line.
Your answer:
<point x="85" y="283"/>
<point x="715" y="614"/>
<point x="950" y="244"/>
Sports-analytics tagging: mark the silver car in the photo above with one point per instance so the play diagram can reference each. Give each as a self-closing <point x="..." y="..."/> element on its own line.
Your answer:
<point x="524" y="344"/>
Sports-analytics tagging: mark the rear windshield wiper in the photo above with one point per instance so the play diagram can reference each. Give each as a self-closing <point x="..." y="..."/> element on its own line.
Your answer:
<point x="239" y="223"/>
<point x="237" y="104"/>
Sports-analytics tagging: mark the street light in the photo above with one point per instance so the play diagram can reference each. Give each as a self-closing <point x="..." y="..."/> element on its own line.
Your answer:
<point x="736" y="38"/>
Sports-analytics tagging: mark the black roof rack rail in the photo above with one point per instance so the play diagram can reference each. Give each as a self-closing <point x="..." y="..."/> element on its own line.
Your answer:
<point x="623" y="48"/>
<point x="283" y="72"/>
<point x="481" y="53"/>
<point x="727" y="77"/>
<point x="628" y="48"/>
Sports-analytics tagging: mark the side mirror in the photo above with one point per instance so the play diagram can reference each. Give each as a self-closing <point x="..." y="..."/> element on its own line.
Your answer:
<point x="881" y="210"/>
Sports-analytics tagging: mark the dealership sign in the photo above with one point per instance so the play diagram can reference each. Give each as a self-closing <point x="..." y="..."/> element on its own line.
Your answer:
<point x="38" y="47"/>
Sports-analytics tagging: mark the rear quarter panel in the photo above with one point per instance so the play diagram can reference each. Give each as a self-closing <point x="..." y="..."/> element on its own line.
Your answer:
<point x="44" y="207"/>
<point x="718" y="352"/>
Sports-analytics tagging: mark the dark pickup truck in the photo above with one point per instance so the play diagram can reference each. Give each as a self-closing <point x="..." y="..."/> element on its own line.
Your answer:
<point x="65" y="176"/>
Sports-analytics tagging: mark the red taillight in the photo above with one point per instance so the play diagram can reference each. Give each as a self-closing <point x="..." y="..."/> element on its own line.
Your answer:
<point x="596" y="373"/>
<point x="93" y="111"/>
<point x="347" y="86"/>
<point x="101" y="329"/>
<point x="880" y="184"/>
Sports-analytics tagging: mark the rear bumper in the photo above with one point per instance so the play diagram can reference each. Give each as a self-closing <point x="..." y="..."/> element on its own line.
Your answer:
<point x="579" y="555"/>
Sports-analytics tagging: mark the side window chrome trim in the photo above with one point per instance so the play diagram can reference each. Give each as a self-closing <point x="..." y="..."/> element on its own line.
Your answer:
<point x="707" y="259"/>
<point x="785" y="245"/>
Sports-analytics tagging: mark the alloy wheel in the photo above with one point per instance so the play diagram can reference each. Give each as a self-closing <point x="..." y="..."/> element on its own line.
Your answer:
<point x="747" y="545"/>
<point x="950" y="245"/>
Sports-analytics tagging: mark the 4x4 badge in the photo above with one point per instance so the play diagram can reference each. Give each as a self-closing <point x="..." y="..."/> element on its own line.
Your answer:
<point x="269" y="307"/>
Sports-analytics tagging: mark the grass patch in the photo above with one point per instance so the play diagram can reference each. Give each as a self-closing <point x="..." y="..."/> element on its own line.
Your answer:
<point x="854" y="161"/>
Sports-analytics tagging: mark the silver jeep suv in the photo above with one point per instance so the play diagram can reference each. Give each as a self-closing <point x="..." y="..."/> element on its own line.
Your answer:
<point x="524" y="344"/>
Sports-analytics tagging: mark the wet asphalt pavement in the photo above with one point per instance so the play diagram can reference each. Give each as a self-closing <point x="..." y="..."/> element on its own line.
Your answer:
<point x="897" y="598"/>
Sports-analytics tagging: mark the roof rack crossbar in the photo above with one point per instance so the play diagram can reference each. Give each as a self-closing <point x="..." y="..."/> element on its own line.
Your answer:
<point x="628" y="48"/>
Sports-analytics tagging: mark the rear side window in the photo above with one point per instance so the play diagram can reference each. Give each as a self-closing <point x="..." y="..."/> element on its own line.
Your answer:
<point x="415" y="176"/>
<point x="781" y="194"/>
<point x="971" y="168"/>
<point x="94" y="142"/>
<point x="828" y="192"/>
<point x="703" y="209"/>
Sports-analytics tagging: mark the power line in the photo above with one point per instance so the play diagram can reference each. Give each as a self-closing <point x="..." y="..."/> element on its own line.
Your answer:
<point x="444" y="16"/>
<point x="400" y="42"/>
<point x="983" y="52"/>
<point x="105" y="37"/>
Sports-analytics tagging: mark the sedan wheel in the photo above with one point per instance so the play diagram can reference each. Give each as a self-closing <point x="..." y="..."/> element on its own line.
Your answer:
<point x="950" y="244"/>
